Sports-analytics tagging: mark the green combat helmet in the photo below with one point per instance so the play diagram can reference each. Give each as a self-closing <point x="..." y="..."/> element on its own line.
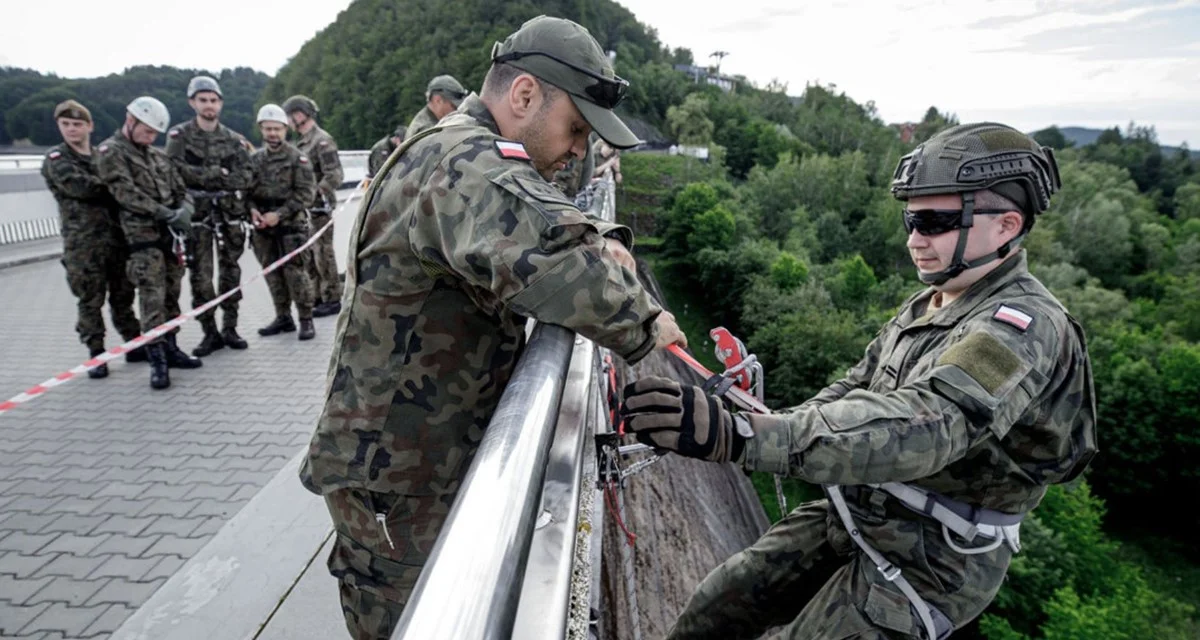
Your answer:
<point x="303" y="104"/>
<point x="972" y="157"/>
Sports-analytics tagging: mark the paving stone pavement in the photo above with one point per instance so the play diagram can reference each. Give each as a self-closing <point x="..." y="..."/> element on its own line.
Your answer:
<point x="106" y="486"/>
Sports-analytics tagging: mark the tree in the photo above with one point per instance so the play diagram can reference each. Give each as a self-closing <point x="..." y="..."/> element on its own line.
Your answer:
<point x="689" y="122"/>
<point x="1052" y="137"/>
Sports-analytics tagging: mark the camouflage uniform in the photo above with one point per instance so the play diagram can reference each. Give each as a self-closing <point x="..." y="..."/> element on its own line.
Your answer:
<point x="422" y="121"/>
<point x="94" y="248"/>
<point x="283" y="183"/>
<point x="200" y="156"/>
<point x="321" y="151"/>
<point x="960" y="401"/>
<point x="142" y="180"/>
<point x="450" y="255"/>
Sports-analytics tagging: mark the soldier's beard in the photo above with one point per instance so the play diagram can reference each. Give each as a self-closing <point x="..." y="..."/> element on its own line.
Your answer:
<point x="537" y="146"/>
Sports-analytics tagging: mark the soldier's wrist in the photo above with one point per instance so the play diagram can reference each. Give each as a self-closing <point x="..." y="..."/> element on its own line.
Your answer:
<point x="769" y="449"/>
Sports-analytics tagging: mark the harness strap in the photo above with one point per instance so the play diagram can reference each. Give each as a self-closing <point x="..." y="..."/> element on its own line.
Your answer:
<point x="966" y="521"/>
<point x="891" y="572"/>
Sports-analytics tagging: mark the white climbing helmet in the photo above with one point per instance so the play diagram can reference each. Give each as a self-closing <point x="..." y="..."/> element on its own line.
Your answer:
<point x="272" y="113"/>
<point x="150" y="112"/>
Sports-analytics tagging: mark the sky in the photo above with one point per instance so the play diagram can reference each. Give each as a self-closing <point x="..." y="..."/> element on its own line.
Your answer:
<point x="1027" y="63"/>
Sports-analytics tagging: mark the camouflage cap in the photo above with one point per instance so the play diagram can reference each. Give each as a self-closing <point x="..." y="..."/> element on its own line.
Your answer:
<point x="565" y="55"/>
<point x="985" y="155"/>
<point x="447" y="87"/>
<point x="72" y="109"/>
<point x="400" y="132"/>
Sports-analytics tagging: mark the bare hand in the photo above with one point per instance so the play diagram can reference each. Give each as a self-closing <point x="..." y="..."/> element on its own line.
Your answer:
<point x="270" y="218"/>
<point x="256" y="219"/>
<point x="619" y="253"/>
<point x="669" y="333"/>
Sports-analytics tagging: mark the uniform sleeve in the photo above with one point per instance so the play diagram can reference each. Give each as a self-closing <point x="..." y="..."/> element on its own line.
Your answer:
<point x="65" y="179"/>
<point x="376" y="159"/>
<point x="116" y="175"/>
<point x="304" y="189"/>
<point x="519" y="239"/>
<point x="978" y="388"/>
<point x="195" y="176"/>
<point x="237" y="163"/>
<point x="858" y="377"/>
<point x="331" y="168"/>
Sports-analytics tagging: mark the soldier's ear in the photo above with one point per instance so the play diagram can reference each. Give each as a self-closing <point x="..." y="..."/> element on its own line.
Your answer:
<point x="522" y="95"/>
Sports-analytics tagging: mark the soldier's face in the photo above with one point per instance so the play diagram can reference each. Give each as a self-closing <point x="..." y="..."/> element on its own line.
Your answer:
<point x="206" y="104"/>
<point x="298" y="119"/>
<point x="142" y="134"/>
<point x="555" y="135"/>
<point x="440" y="106"/>
<point x="273" y="132"/>
<point x="74" y="131"/>
<point x="935" y="253"/>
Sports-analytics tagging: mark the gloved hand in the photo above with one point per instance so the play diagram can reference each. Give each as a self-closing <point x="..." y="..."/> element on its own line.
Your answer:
<point x="180" y="219"/>
<point x="683" y="419"/>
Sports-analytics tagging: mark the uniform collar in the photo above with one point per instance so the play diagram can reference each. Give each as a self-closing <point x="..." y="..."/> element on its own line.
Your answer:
<point x="979" y="292"/>
<point x="312" y="133"/>
<point x="473" y="108"/>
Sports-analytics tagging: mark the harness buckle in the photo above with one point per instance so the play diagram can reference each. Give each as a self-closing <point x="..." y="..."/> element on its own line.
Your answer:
<point x="890" y="572"/>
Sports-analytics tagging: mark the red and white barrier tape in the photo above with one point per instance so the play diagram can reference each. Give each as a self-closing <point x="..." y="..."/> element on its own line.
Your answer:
<point x="113" y="353"/>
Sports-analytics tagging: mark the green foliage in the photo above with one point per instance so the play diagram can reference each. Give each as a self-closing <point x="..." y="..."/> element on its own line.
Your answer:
<point x="933" y="122"/>
<point x="1052" y="137"/>
<point x="32" y="116"/>
<point x="689" y="121"/>
<point x="788" y="272"/>
<point x="650" y="181"/>
<point x="712" y="229"/>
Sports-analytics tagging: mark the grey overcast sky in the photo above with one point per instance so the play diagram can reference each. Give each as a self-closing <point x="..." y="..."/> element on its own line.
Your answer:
<point x="1029" y="63"/>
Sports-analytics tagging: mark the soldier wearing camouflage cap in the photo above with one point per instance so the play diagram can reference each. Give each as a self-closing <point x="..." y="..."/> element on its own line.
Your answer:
<point x="322" y="152"/>
<point x="94" y="247"/>
<point x="384" y="148"/>
<point x="442" y="97"/>
<point x="973" y="399"/>
<point x="460" y="240"/>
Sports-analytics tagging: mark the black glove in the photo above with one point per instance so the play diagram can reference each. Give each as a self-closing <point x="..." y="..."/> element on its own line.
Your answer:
<point x="683" y="419"/>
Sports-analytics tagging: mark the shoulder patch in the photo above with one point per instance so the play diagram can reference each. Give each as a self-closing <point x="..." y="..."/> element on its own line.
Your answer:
<point x="303" y="159"/>
<point x="103" y="148"/>
<point x="1013" y="316"/>
<point x="321" y="143"/>
<point x="174" y="133"/>
<point x="511" y="150"/>
<point x="55" y="155"/>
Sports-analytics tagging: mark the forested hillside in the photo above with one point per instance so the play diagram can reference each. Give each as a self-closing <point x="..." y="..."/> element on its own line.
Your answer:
<point x="27" y="99"/>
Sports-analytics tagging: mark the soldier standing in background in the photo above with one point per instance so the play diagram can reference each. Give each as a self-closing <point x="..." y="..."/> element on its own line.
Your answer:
<point x="442" y="97"/>
<point x="384" y="148"/>
<point x="215" y="167"/>
<point x="321" y="150"/>
<point x="283" y="185"/>
<point x="971" y="401"/>
<point x="155" y="208"/>
<point x="94" y="247"/>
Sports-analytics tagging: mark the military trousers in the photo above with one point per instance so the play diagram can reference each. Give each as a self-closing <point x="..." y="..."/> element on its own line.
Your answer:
<point x="806" y="579"/>
<point x="158" y="278"/>
<point x="290" y="282"/>
<point x="322" y="268"/>
<point x="96" y="270"/>
<point x="377" y="564"/>
<point x="202" y="245"/>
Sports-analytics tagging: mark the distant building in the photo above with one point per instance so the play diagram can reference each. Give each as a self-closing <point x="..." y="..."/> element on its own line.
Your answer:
<point x="702" y="74"/>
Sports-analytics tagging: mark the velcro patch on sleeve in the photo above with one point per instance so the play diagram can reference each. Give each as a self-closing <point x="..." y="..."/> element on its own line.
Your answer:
<point x="511" y="150"/>
<point x="103" y="148"/>
<point x="174" y="133"/>
<point x="303" y="159"/>
<point x="1013" y="316"/>
<point x="985" y="358"/>
<point x="55" y="155"/>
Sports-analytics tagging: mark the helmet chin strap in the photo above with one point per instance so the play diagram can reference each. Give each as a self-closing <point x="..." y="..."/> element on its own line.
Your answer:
<point x="957" y="263"/>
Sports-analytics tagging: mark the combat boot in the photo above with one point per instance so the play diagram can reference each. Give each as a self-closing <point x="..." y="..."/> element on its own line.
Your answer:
<point x="281" y="324"/>
<point x="100" y="370"/>
<point x="211" y="342"/>
<point x="136" y="355"/>
<point x="232" y="339"/>
<point x="307" y="332"/>
<point x="160" y="375"/>
<point x="176" y="358"/>
<point x="327" y="309"/>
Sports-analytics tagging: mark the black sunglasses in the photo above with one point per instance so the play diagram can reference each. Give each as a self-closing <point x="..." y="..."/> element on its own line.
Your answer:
<point x="932" y="222"/>
<point x="607" y="92"/>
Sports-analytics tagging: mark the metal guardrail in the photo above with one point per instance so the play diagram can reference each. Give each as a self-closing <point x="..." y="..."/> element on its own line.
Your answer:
<point x="503" y="566"/>
<point x="27" y="230"/>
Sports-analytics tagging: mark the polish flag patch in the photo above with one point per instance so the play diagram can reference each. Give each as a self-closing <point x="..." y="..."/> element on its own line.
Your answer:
<point x="511" y="150"/>
<point x="1015" y="317"/>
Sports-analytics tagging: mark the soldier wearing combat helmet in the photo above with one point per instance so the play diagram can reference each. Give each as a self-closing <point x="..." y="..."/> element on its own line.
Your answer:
<point x="973" y="399"/>
<point x="216" y="169"/>
<point x="322" y="152"/>
<point x="442" y="97"/>
<point x="460" y="241"/>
